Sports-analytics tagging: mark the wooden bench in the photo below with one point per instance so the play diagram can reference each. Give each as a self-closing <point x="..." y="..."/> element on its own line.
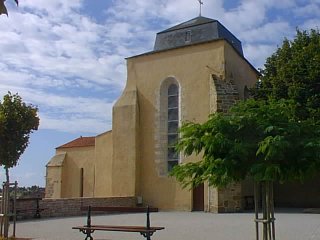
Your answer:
<point x="120" y="209"/>
<point x="146" y="231"/>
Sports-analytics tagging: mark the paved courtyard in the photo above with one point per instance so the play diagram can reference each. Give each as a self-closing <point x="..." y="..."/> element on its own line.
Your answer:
<point x="178" y="226"/>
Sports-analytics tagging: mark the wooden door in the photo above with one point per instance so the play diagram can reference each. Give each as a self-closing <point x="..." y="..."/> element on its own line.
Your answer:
<point x="198" y="198"/>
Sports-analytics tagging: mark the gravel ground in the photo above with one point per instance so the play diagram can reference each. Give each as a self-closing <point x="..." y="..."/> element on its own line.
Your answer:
<point x="178" y="226"/>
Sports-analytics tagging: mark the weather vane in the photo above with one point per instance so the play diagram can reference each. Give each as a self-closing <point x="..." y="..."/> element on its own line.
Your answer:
<point x="201" y="3"/>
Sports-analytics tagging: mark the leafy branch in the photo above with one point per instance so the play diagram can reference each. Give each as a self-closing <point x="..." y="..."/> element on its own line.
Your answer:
<point x="3" y="8"/>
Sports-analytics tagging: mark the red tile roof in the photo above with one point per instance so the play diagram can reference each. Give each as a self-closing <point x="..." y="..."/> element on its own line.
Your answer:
<point x="80" y="142"/>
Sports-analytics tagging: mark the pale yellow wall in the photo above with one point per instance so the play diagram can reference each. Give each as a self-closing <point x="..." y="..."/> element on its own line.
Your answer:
<point x="77" y="158"/>
<point x="54" y="175"/>
<point x="191" y="67"/>
<point x="103" y="165"/>
<point x="238" y="70"/>
<point x="53" y="182"/>
<point x="125" y="131"/>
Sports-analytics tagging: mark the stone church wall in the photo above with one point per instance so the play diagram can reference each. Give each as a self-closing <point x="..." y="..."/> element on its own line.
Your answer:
<point x="227" y="94"/>
<point x="225" y="199"/>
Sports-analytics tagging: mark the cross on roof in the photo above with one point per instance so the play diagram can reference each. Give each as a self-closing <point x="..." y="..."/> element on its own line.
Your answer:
<point x="201" y="3"/>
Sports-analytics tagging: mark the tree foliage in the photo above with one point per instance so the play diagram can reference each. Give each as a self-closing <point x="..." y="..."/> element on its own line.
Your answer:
<point x="3" y="8"/>
<point x="17" y="121"/>
<point x="293" y="72"/>
<point x="273" y="137"/>
<point x="262" y="139"/>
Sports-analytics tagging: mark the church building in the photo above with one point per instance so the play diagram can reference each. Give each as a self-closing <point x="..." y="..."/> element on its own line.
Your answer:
<point x="196" y="68"/>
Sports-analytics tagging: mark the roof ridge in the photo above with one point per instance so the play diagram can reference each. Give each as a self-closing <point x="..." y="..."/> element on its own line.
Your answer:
<point x="195" y="21"/>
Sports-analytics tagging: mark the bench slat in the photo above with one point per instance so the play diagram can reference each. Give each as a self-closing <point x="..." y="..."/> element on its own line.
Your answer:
<point x="127" y="227"/>
<point x="119" y="229"/>
<point x="119" y="209"/>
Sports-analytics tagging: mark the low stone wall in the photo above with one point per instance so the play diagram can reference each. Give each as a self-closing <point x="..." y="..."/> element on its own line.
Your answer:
<point x="223" y="200"/>
<point x="67" y="206"/>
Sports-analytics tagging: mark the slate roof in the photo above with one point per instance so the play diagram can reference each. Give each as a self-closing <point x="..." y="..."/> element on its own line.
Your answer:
<point x="193" y="22"/>
<point x="79" y="142"/>
<point x="194" y="31"/>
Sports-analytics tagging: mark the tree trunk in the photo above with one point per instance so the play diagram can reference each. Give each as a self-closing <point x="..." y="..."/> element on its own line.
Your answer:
<point x="263" y="192"/>
<point x="6" y="204"/>
<point x="7" y="175"/>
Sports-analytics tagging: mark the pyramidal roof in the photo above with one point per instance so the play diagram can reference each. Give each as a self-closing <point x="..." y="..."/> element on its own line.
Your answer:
<point x="193" y="22"/>
<point x="196" y="30"/>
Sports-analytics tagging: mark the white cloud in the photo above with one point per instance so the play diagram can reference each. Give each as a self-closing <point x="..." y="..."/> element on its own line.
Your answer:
<point x="311" y="9"/>
<point x="70" y="114"/>
<point x="257" y="53"/>
<point x="311" y="23"/>
<point x="71" y="65"/>
<point x="63" y="60"/>
<point x="58" y="8"/>
<point x="44" y="54"/>
<point x="269" y="32"/>
<point x="74" y="124"/>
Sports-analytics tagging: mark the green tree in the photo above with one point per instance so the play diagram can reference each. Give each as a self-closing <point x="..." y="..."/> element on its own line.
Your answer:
<point x="17" y="121"/>
<point x="293" y="72"/>
<point x="272" y="138"/>
<point x="259" y="139"/>
<point x="3" y="8"/>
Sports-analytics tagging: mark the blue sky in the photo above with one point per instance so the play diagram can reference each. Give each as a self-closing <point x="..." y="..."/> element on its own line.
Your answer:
<point x="68" y="57"/>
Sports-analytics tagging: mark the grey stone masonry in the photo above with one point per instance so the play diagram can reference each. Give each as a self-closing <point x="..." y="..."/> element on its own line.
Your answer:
<point x="227" y="94"/>
<point x="65" y="207"/>
<point x="224" y="199"/>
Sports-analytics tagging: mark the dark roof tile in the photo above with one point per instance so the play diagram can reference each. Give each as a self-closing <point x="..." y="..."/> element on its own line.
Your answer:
<point x="193" y="22"/>
<point x="197" y="30"/>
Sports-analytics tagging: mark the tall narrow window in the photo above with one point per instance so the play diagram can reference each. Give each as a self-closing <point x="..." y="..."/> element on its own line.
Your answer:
<point x="168" y="119"/>
<point x="173" y="124"/>
<point x="81" y="182"/>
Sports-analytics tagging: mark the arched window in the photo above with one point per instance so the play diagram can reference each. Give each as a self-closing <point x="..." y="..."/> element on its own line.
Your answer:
<point x="167" y="121"/>
<point x="173" y="125"/>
